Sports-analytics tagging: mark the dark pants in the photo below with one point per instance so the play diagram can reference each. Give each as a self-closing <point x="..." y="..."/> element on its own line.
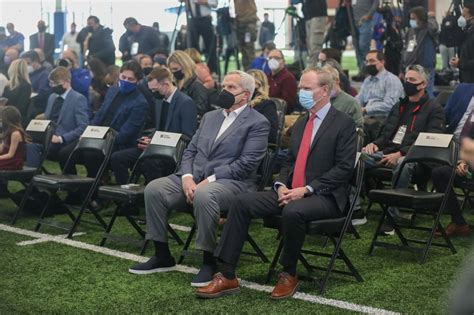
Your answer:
<point x="122" y="161"/>
<point x="91" y="160"/>
<point x="440" y="176"/>
<point x="57" y="152"/>
<point x="263" y="204"/>
<point x="202" y="26"/>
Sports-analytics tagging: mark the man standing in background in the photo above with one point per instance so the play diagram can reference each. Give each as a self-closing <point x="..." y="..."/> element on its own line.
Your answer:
<point x="246" y="25"/>
<point x="43" y="41"/>
<point x="315" y="14"/>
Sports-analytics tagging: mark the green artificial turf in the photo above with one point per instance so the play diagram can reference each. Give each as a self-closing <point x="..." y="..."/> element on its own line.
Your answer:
<point x="54" y="278"/>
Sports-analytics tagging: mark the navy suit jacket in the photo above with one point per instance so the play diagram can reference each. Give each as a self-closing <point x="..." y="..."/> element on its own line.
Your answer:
<point x="182" y="115"/>
<point x="73" y="117"/>
<point x="234" y="157"/>
<point x="129" y="118"/>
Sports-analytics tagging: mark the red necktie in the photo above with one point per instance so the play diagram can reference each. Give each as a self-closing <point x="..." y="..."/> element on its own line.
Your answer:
<point x="303" y="152"/>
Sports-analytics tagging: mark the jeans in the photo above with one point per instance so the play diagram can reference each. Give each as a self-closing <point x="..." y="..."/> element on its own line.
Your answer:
<point x="366" y="30"/>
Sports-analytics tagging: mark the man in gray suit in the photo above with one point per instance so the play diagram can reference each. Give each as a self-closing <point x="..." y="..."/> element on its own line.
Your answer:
<point x="68" y="109"/>
<point x="219" y="163"/>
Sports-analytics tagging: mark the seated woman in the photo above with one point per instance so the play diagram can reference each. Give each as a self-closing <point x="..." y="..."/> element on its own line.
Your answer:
<point x="18" y="89"/>
<point x="12" y="150"/>
<point x="464" y="170"/>
<point x="263" y="104"/>
<point x="184" y="72"/>
<point x="202" y="70"/>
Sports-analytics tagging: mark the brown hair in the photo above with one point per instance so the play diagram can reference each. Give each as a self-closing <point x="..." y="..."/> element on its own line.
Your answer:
<point x="159" y="74"/>
<point x="11" y="122"/>
<point x="194" y="54"/>
<point x="60" y="73"/>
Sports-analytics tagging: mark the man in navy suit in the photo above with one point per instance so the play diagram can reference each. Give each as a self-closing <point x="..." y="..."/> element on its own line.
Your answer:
<point x="124" y="110"/>
<point x="68" y="110"/>
<point x="313" y="185"/>
<point x="177" y="113"/>
<point x="220" y="162"/>
<point x="44" y="41"/>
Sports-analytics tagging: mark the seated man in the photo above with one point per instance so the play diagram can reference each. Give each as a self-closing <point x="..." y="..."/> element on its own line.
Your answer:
<point x="69" y="111"/>
<point x="220" y="162"/>
<point x="342" y="101"/>
<point x="313" y="185"/>
<point x="414" y="114"/>
<point x="464" y="170"/>
<point x="261" y="62"/>
<point x="459" y="106"/>
<point x="124" y="110"/>
<point x="176" y="113"/>
<point x="380" y="91"/>
<point x="281" y="81"/>
<point x="80" y="77"/>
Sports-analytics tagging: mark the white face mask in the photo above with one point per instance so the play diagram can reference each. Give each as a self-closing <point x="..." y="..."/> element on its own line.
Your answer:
<point x="462" y="22"/>
<point x="30" y="69"/>
<point x="273" y="64"/>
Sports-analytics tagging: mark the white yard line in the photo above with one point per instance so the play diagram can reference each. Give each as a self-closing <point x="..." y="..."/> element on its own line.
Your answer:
<point x="45" y="239"/>
<point x="42" y="237"/>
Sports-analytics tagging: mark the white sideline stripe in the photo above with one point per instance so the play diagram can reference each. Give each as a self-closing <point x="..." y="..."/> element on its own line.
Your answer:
<point x="181" y="228"/>
<point x="42" y="240"/>
<point x="185" y="269"/>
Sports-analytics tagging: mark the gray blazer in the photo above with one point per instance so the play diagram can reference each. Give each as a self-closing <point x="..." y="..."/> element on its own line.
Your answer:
<point x="234" y="157"/>
<point x="73" y="118"/>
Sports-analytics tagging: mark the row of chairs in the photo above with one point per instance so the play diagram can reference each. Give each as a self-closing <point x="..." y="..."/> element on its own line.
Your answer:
<point x="333" y="230"/>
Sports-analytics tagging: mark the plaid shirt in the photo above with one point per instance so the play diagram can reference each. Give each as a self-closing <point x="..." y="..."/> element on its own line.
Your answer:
<point x="379" y="93"/>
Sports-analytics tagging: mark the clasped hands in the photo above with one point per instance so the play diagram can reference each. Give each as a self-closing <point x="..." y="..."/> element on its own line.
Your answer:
<point x="189" y="187"/>
<point x="286" y="195"/>
<point x="389" y="160"/>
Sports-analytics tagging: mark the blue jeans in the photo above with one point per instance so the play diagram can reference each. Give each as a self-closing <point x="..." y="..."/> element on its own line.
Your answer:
<point x="431" y="80"/>
<point x="366" y="30"/>
<point x="33" y="154"/>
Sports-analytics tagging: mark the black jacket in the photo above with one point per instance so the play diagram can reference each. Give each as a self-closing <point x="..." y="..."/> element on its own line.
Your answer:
<point x="268" y="109"/>
<point x="195" y="90"/>
<point x="466" y="57"/>
<point x="20" y="98"/>
<point x="331" y="158"/>
<point x="425" y="116"/>
<point x="101" y="45"/>
<point x="314" y="8"/>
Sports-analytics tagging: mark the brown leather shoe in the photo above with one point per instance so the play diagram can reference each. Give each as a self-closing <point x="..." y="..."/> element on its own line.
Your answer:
<point x="218" y="287"/>
<point x="454" y="229"/>
<point x="286" y="287"/>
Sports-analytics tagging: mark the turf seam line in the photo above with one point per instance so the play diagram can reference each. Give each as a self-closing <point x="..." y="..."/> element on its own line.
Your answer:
<point x="185" y="269"/>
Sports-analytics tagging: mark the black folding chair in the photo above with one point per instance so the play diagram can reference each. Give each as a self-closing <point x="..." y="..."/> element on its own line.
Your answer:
<point x="419" y="202"/>
<point x="331" y="229"/>
<point x="25" y="175"/>
<point x="263" y="178"/>
<point x="467" y="187"/>
<point x="52" y="184"/>
<point x="132" y="197"/>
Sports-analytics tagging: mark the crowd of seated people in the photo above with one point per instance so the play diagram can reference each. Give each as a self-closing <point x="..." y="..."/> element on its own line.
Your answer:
<point x="152" y="91"/>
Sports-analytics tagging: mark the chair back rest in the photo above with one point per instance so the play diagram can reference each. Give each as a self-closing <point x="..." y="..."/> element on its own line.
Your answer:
<point x="266" y="167"/>
<point x="163" y="150"/>
<point x="420" y="152"/>
<point x="281" y="112"/>
<point x="41" y="132"/>
<point x="89" y="143"/>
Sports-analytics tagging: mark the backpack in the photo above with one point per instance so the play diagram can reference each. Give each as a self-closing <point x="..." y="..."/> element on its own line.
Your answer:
<point x="451" y="34"/>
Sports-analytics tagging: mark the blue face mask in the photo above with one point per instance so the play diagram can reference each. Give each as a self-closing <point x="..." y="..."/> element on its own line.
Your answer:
<point x="413" y="23"/>
<point x="126" y="87"/>
<point x="306" y="99"/>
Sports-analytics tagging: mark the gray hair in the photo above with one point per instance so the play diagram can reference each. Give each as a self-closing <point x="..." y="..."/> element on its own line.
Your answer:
<point x="418" y="69"/>
<point x="247" y="82"/>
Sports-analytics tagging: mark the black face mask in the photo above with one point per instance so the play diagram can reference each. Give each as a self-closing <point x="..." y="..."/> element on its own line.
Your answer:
<point x="41" y="29"/>
<point x="147" y="70"/>
<point x="89" y="29"/>
<point x="255" y="94"/>
<point x="372" y="70"/>
<point x="410" y="88"/>
<point x="226" y="99"/>
<point x="179" y="75"/>
<point x="58" y="89"/>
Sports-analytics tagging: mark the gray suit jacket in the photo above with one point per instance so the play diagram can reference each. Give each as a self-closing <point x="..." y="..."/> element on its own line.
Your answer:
<point x="73" y="118"/>
<point x="234" y="157"/>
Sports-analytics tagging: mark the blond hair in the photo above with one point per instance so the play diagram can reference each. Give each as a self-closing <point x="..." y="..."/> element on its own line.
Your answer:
<point x="194" y="54"/>
<point x="263" y="91"/>
<point x="17" y="73"/>
<point x="186" y="63"/>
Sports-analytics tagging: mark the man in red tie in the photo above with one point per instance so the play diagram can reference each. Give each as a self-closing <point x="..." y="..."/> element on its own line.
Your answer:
<point x="313" y="185"/>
